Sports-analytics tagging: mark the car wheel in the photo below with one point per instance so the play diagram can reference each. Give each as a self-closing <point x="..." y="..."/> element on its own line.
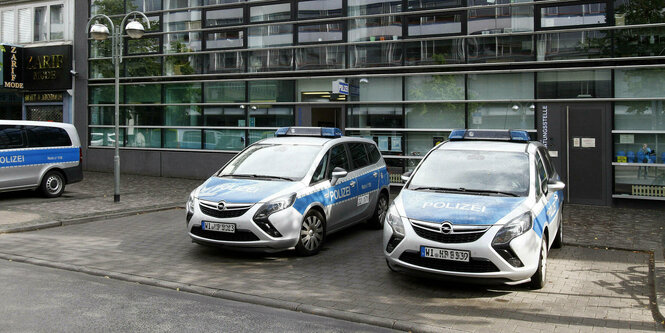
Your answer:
<point x="540" y="277"/>
<point x="376" y="221"/>
<point x="312" y="234"/>
<point x="558" y="240"/>
<point x="53" y="184"/>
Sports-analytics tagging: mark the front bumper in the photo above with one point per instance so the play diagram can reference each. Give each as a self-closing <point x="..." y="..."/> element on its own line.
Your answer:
<point x="484" y="263"/>
<point x="248" y="235"/>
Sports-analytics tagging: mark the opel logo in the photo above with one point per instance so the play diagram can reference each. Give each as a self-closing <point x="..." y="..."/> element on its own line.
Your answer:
<point x="446" y="227"/>
<point x="221" y="205"/>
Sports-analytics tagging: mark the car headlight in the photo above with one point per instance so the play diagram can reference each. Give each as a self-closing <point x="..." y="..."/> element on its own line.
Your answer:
<point x="190" y="203"/>
<point x="517" y="227"/>
<point x="395" y="221"/>
<point x="274" y="206"/>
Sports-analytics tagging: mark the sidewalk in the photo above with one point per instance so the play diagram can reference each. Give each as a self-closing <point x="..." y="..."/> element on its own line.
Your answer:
<point x="92" y="199"/>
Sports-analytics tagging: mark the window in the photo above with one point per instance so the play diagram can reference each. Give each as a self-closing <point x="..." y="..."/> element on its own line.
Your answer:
<point x="41" y="136"/>
<point x="40" y="24"/>
<point x="358" y="155"/>
<point x="221" y="17"/>
<point x="28" y="24"/>
<point x="225" y="39"/>
<point x="549" y="167"/>
<point x="316" y="33"/>
<point x="573" y="15"/>
<point x="319" y="8"/>
<point x="373" y="153"/>
<point x="320" y="172"/>
<point x="11" y="137"/>
<point x="440" y="24"/>
<point x="338" y="159"/>
<point x="277" y="12"/>
<point x="542" y="176"/>
<point x="8" y="27"/>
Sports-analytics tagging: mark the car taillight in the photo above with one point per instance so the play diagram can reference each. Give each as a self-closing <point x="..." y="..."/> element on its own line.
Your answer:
<point x="80" y="155"/>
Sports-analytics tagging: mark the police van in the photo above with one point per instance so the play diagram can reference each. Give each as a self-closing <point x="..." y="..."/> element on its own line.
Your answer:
<point x="39" y="155"/>
<point x="485" y="204"/>
<point x="291" y="191"/>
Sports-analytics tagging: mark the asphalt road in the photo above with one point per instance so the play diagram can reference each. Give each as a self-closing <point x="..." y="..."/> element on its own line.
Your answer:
<point x="40" y="299"/>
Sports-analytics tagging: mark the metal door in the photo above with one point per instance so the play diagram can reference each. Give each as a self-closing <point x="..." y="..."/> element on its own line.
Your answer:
<point x="578" y="138"/>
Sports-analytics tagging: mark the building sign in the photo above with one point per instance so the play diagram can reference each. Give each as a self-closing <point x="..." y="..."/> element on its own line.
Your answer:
<point x="43" y="97"/>
<point x="545" y="124"/>
<point x="340" y="87"/>
<point x="48" y="68"/>
<point x="12" y="76"/>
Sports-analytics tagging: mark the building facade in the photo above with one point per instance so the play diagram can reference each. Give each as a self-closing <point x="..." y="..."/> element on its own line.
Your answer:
<point x="213" y="76"/>
<point x="36" y="40"/>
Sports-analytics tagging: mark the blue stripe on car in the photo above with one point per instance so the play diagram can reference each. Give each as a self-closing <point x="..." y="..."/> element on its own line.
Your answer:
<point x="25" y="157"/>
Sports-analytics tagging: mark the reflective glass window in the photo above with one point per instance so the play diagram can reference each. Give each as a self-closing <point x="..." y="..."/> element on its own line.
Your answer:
<point x="144" y="137"/>
<point x="142" y="115"/>
<point x="375" y="29"/>
<point x="271" y="35"/>
<point x="326" y="57"/>
<point x="256" y="135"/>
<point x="573" y="15"/>
<point x="225" y="16"/>
<point x="224" y="139"/>
<point x="316" y="33"/>
<point x="639" y="82"/>
<point x="102" y="94"/>
<point x="57" y="22"/>
<point x="379" y="55"/>
<point x="430" y="4"/>
<point x="377" y="89"/>
<point x="378" y="116"/>
<point x="146" y="66"/>
<point x="573" y="45"/>
<point x="143" y="45"/>
<point x="183" y="64"/>
<point x="319" y="8"/>
<point x="500" y="86"/>
<point x="183" y="20"/>
<point x="267" y="116"/>
<point x="276" y="12"/>
<point x="182" y="115"/>
<point x="419" y="143"/>
<point x="369" y="7"/>
<point x="434" y="87"/>
<point x="143" y="93"/>
<point x="495" y="49"/>
<point x="182" y="93"/>
<point x="224" y="116"/>
<point x="434" y="52"/>
<point x="182" y="42"/>
<point x="270" y="60"/>
<point x="173" y="4"/>
<point x="501" y="115"/>
<point x="638" y="42"/>
<point x="642" y="115"/>
<point x="575" y="84"/>
<point x="220" y="2"/>
<point x="225" y="39"/>
<point x="102" y="115"/>
<point x="271" y="91"/>
<point x="144" y="5"/>
<point x="40" y="27"/>
<point x="448" y="115"/>
<point x="100" y="137"/>
<point x="182" y="138"/>
<point x="225" y="92"/>
<point x="499" y="19"/>
<point x="226" y="62"/>
<point x="440" y="24"/>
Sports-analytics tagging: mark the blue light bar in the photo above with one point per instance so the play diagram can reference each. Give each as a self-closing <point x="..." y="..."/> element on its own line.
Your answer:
<point x="491" y="135"/>
<point x="326" y="132"/>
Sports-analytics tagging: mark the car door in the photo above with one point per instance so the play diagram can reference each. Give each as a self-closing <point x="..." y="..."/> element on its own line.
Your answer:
<point x="14" y="172"/>
<point x="339" y="195"/>
<point x="366" y="177"/>
<point x="553" y="199"/>
<point x="544" y="205"/>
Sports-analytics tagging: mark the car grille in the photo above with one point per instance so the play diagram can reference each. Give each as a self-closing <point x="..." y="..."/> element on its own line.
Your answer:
<point x="238" y="236"/>
<point x="473" y="266"/>
<point x="461" y="233"/>
<point x="231" y="210"/>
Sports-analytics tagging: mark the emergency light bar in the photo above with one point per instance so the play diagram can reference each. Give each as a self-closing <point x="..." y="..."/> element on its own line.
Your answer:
<point x="492" y="135"/>
<point x="326" y="132"/>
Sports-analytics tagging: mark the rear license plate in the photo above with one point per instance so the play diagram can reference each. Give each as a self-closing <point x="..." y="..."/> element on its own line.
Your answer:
<point x="221" y="227"/>
<point x="444" y="254"/>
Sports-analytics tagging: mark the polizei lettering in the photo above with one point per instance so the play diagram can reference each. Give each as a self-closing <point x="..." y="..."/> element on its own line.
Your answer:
<point x="339" y="193"/>
<point x="12" y="159"/>
<point x="455" y="205"/>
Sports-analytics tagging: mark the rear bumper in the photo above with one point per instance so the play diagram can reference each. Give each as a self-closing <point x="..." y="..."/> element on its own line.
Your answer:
<point x="73" y="174"/>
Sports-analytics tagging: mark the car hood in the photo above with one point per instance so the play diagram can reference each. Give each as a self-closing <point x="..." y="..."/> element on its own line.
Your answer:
<point x="244" y="190"/>
<point x="457" y="208"/>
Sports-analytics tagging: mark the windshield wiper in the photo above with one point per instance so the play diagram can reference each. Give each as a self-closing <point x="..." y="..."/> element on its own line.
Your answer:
<point x="462" y="190"/>
<point x="262" y="176"/>
<point x="492" y="192"/>
<point x="436" y="189"/>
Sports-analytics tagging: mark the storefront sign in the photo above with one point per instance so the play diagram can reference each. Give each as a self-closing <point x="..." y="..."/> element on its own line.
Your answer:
<point x="48" y="68"/>
<point x="340" y="87"/>
<point x="43" y="97"/>
<point x="12" y="67"/>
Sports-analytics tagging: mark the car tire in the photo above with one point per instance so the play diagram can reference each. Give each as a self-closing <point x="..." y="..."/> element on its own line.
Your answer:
<point x="539" y="278"/>
<point x="312" y="234"/>
<point x="377" y="219"/>
<point x="558" y="239"/>
<point x="53" y="184"/>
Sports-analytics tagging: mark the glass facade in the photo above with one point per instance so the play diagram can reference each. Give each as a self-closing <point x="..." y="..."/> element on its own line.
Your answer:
<point x="222" y="74"/>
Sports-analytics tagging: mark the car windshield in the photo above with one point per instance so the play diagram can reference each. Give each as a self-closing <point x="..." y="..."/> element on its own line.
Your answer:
<point x="288" y="162"/>
<point x="473" y="172"/>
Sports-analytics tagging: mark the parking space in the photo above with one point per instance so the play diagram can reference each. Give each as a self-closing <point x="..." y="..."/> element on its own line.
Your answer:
<point x="588" y="289"/>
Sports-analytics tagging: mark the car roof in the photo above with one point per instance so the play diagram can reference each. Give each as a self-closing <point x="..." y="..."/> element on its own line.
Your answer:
<point x="35" y="123"/>
<point x="311" y="140"/>
<point x="520" y="147"/>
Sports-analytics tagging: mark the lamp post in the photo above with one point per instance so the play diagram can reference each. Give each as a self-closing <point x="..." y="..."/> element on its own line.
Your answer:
<point x="98" y="31"/>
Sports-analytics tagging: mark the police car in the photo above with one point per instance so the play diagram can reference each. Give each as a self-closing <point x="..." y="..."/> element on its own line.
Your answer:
<point x="485" y="204"/>
<point x="291" y="191"/>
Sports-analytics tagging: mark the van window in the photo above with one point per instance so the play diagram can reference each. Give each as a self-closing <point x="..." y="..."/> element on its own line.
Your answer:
<point x="373" y="152"/>
<point x="11" y="137"/>
<point x="44" y="136"/>
<point x="338" y="158"/>
<point x="358" y="155"/>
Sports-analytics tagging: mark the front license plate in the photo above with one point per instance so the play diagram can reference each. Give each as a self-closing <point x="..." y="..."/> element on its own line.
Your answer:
<point x="221" y="227"/>
<point x="445" y="254"/>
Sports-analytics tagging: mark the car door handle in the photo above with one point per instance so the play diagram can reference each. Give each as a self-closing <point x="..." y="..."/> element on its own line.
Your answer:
<point x="375" y="174"/>
<point x="353" y="183"/>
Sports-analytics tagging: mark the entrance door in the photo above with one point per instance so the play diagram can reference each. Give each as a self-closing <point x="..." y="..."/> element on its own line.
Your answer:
<point x="579" y="140"/>
<point x="326" y="117"/>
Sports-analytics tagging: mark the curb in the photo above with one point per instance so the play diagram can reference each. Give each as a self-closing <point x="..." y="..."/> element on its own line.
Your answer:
<point x="31" y="226"/>
<point x="239" y="297"/>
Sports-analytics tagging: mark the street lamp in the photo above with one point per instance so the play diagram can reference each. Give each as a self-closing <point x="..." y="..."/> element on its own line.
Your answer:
<point x="100" y="32"/>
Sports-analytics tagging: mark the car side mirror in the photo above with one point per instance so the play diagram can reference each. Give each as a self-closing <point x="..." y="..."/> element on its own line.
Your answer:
<point x="557" y="185"/>
<point x="337" y="173"/>
<point x="406" y="176"/>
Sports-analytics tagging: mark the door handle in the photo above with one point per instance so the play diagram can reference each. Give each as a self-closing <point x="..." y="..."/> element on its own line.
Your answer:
<point x="375" y="174"/>
<point x="353" y="183"/>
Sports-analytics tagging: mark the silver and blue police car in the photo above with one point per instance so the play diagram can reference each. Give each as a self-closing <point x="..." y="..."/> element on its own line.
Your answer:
<point x="485" y="204"/>
<point x="291" y="191"/>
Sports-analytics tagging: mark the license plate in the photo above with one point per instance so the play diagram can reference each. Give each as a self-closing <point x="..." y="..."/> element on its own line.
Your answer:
<point x="221" y="227"/>
<point x="444" y="254"/>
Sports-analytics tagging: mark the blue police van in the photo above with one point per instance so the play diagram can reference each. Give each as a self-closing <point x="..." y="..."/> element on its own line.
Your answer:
<point x="485" y="205"/>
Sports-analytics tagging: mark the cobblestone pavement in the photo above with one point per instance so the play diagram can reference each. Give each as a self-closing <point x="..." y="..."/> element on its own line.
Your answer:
<point x="588" y="290"/>
<point x="94" y="196"/>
